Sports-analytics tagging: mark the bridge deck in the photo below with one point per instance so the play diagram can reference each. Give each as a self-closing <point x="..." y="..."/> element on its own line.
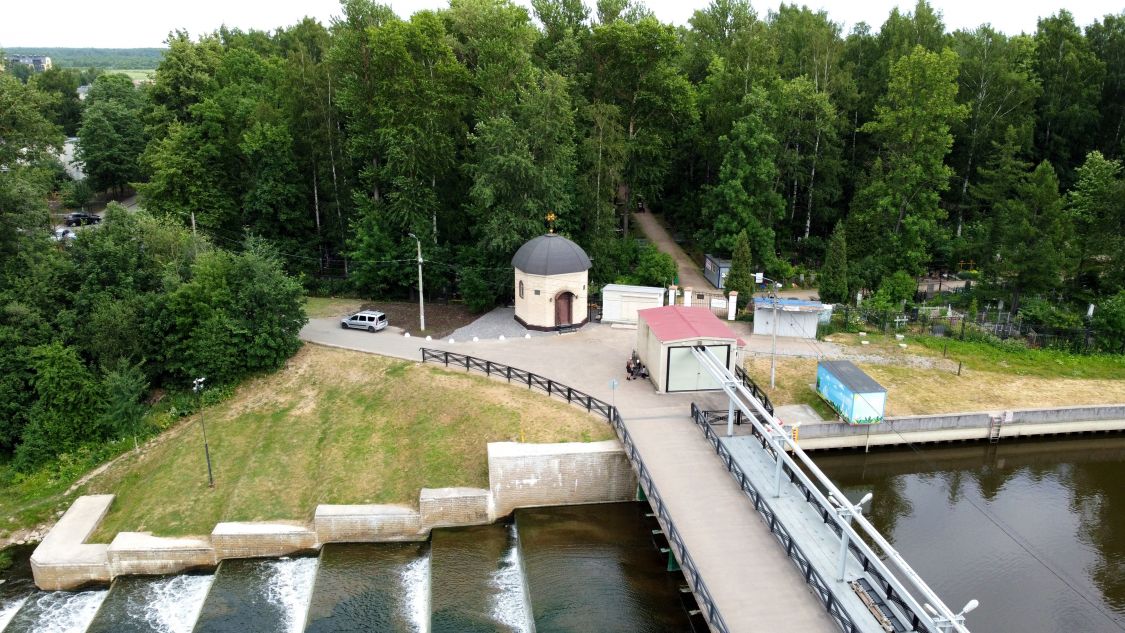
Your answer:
<point x="752" y="582"/>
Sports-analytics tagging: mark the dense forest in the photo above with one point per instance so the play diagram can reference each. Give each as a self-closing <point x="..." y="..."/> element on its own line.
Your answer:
<point x="869" y="157"/>
<point x="104" y="58"/>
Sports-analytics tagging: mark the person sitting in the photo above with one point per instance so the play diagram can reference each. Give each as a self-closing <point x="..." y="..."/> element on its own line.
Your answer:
<point x="641" y="371"/>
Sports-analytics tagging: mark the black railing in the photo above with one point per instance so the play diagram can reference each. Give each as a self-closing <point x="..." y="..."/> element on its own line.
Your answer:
<point x="705" y="419"/>
<point x="611" y="414"/>
<point x="777" y="528"/>
<point x="749" y="383"/>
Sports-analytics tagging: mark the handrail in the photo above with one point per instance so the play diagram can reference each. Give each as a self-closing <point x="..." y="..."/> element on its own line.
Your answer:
<point x="757" y="392"/>
<point x="778" y="443"/>
<point x="613" y="416"/>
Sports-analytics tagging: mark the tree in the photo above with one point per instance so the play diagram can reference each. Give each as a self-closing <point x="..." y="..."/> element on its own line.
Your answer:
<point x="1107" y="41"/>
<point x="1033" y="236"/>
<point x="897" y="209"/>
<point x="655" y="268"/>
<point x="1097" y="207"/>
<point x="744" y="198"/>
<point x="740" y="278"/>
<point x="1109" y="323"/>
<point x="64" y="107"/>
<point x="66" y="400"/>
<point x="833" y="278"/>
<point x="1067" y="110"/>
<point x="112" y="136"/>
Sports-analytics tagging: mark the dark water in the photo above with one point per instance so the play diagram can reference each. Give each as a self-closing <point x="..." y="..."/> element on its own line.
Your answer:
<point x="476" y="581"/>
<point x="589" y="568"/>
<point x="257" y="595"/>
<point x="17" y="585"/>
<point x="1035" y="530"/>
<point x="361" y="588"/>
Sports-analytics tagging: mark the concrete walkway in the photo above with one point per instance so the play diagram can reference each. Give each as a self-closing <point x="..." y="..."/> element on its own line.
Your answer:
<point x="753" y="583"/>
<point x="690" y="274"/>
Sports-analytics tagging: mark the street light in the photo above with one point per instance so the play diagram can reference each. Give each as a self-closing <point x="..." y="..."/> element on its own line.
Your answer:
<point x="197" y="387"/>
<point x="421" y="304"/>
<point x="774" y="286"/>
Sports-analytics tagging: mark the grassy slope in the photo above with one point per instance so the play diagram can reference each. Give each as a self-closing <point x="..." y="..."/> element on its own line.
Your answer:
<point x="990" y="379"/>
<point x="334" y="427"/>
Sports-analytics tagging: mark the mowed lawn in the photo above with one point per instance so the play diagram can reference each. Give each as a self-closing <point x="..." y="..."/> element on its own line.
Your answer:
<point x="335" y="426"/>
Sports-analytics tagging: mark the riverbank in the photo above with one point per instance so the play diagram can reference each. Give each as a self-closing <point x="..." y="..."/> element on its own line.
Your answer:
<point x="987" y="426"/>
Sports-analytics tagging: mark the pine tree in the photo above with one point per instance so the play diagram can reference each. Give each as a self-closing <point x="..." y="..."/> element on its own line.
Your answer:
<point x="739" y="279"/>
<point x="834" y="274"/>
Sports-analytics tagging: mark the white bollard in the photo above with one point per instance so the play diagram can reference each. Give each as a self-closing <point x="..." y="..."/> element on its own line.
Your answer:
<point x="429" y="338"/>
<point x="476" y="339"/>
<point x="406" y="335"/>
<point x="451" y="341"/>
<point x="687" y="297"/>
<point x="528" y="335"/>
<point x="501" y="337"/>
<point x="732" y="305"/>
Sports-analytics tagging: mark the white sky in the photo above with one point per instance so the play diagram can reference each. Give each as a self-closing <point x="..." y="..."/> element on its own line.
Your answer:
<point x="143" y="23"/>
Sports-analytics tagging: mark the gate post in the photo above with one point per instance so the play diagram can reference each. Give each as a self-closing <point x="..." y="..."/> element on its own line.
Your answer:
<point x="687" y="297"/>
<point x="672" y="295"/>
<point x="732" y="305"/>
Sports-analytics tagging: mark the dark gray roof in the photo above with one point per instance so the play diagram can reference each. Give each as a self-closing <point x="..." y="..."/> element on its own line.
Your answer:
<point x="551" y="254"/>
<point x="852" y="376"/>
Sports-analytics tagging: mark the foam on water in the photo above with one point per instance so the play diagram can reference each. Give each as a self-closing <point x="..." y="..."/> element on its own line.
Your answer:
<point x="8" y="611"/>
<point x="511" y="605"/>
<point x="171" y="604"/>
<point x="290" y="587"/>
<point x="66" y="612"/>
<point x="415" y="581"/>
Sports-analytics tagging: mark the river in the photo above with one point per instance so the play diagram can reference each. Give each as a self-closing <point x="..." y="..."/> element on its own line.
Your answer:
<point x="1034" y="529"/>
<point x="571" y="569"/>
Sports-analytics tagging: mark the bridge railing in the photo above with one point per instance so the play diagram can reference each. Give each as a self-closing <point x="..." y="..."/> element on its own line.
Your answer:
<point x="894" y="584"/>
<point x="704" y="419"/>
<point x="753" y="387"/>
<point x="613" y="416"/>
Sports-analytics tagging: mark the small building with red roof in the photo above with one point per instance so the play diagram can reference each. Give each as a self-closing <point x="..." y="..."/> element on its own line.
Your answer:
<point x="665" y="337"/>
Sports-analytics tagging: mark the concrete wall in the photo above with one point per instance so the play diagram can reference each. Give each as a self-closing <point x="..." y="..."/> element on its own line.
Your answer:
<point x="520" y="475"/>
<point x="539" y="310"/>
<point x="531" y="475"/>
<point x="620" y="303"/>
<point x="964" y="426"/>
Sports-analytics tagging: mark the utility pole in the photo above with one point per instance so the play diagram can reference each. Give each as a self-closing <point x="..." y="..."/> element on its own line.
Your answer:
<point x="773" y="342"/>
<point x="197" y="387"/>
<point x="421" y="303"/>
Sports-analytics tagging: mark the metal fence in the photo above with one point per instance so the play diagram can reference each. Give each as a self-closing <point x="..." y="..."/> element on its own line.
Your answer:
<point x="611" y="414"/>
<point x="986" y="325"/>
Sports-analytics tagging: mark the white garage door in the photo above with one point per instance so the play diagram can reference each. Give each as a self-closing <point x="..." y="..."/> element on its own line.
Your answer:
<point x="685" y="374"/>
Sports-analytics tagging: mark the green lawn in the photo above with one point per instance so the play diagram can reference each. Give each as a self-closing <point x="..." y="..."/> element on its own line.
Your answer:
<point x="136" y="75"/>
<point x="334" y="427"/>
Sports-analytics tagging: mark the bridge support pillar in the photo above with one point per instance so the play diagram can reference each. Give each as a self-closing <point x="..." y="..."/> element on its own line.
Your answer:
<point x="641" y="493"/>
<point x="730" y="417"/>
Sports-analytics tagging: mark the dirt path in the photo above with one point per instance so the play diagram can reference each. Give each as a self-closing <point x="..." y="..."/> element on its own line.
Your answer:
<point x="690" y="275"/>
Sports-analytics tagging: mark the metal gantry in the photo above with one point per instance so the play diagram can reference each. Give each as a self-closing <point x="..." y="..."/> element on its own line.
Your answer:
<point x="913" y="594"/>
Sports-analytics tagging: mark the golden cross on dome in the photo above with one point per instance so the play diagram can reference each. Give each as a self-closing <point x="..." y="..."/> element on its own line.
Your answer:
<point x="551" y="217"/>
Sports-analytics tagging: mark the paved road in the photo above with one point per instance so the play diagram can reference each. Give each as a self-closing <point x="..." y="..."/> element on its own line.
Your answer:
<point x="755" y="586"/>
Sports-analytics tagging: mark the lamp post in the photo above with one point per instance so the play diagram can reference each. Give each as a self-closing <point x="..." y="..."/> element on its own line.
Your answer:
<point x="421" y="303"/>
<point x="197" y="387"/>
<point x="773" y="342"/>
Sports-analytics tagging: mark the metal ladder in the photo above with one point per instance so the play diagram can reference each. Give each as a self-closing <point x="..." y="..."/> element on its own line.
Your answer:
<point x="994" y="424"/>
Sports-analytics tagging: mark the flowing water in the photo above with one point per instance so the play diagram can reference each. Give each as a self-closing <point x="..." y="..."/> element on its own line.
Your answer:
<point x="476" y="581"/>
<point x="382" y="587"/>
<point x="1035" y="530"/>
<point x="258" y="595"/>
<point x="589" y="569"/>
<point x="144" y="604"/>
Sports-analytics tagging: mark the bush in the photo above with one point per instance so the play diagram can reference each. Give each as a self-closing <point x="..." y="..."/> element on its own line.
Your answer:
<point x="76" y="193"/>
<point x="1109" y="323"/>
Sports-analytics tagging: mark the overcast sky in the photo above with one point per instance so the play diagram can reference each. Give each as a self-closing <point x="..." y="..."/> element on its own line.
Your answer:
<point x="142" y="23"/>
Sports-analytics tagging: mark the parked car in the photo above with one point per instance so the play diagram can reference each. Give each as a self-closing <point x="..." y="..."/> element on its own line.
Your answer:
<point x="81" y="218"/>
<point x="61" y="235"/>
<point x="369" y="320"/>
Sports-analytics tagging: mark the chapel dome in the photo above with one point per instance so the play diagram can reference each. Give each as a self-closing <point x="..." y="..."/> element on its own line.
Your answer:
<point x="551" y="254"/>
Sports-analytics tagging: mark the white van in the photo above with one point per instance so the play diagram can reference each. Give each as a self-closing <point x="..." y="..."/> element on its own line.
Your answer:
<point x="369" y="320"/>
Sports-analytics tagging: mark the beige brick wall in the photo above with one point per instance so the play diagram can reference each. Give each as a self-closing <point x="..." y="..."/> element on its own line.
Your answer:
<point x="444" y="507"/>
<point x="540" y="309"/>
<point x="531" y="475"/>
<point x="368" y="524"/>
<point x="251" y="540"/>
<point x="139" y="553"/>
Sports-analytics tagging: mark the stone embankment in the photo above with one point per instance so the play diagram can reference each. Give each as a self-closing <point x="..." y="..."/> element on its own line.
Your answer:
<point x="520" y="476"/>
<point x="960" y="427"/>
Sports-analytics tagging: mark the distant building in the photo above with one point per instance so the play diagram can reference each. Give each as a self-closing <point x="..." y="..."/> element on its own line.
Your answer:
<point x="38" y="62"/>
<point x="715" y="269"/>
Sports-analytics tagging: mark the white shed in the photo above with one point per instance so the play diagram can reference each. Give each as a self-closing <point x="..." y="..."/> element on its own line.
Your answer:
<point x="620" y="303"/>
<point x="665" y="337"/>
<point x="795" y="318"/>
